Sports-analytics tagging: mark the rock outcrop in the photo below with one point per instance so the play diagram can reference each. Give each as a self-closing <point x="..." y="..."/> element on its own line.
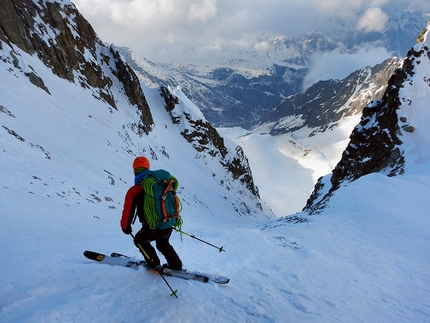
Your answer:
<point x="66" y="43"/>
<point x="376" y="142"/>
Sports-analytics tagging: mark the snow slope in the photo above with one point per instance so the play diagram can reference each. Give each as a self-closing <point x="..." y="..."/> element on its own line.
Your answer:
<point x="366" y="259"/>
<point x="291" y="164"/>
<point x="65" y="166"/>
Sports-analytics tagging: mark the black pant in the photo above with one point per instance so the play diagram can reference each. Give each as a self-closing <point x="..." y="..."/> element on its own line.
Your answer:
<point x="161" y="238"/>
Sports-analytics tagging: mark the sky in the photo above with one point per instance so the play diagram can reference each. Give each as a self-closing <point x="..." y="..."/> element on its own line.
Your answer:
<point x="187" y="31"/>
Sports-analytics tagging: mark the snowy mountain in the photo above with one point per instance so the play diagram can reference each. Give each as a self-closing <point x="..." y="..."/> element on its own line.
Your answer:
<point x="308" y="132"/>
<point x="67" y="144"/>
<point x="324" y="104"/>
<point x="55" y="37"/>
<point x="391" y="137"/>
<point x="241" y="85"/>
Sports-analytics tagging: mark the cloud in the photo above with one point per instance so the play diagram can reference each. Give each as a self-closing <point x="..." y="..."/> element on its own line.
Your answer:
<point x="262" y="46"/>
<point x="373" y="19"/>
<point x="152" y="14"/>
<point x="338" y="65"/>
<point x="187" y="30"/>
<point x="202" y="11"/>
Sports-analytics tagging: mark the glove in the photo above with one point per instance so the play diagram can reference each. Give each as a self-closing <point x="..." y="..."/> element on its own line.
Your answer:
<point x="127" y="230"/>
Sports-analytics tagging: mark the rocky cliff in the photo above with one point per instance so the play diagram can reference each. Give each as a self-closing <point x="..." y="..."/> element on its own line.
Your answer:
<point x="376" y="143"/>
<point x="61" y="37"/>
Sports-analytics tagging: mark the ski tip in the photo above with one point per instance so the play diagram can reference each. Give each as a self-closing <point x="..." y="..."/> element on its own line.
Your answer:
<point x="87" y="252"/>
<point x="94" y="255"/>
<point x="221" y="280"/>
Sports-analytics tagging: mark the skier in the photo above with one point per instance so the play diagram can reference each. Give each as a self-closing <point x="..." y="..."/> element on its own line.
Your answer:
<point x="134" y="202"/>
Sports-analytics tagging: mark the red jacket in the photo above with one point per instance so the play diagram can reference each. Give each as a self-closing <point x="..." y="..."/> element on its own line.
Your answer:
<point x="133" y="202"/>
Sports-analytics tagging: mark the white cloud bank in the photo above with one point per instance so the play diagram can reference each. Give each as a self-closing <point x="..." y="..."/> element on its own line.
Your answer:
<point x="189" y="30"/>
<point x="373" y="19"/>
<point x="338" y="65"/>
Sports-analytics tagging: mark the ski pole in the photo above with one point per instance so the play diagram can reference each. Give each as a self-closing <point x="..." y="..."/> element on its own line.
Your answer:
<point x="194" y="237"/>
<point x="174" y="292"/>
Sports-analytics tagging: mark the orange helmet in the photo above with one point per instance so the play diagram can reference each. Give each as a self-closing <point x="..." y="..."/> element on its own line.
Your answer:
<point x="141" y="162"/>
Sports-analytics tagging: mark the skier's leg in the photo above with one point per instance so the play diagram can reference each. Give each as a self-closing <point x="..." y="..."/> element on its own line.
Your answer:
<point x="164" y="246"/>
<point x="142" y="239"/>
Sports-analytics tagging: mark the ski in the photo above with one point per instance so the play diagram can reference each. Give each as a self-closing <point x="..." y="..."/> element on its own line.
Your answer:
<point x="117" y="259"/>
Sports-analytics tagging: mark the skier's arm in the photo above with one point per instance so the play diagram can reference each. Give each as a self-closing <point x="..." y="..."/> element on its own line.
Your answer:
<point x="129" y="209"/>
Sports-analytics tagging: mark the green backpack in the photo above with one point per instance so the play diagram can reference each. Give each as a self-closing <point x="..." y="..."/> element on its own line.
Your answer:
<point x="161" y="205"/>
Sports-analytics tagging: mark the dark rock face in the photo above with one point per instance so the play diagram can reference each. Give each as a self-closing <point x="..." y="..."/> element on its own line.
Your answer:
<point x="19" y="27"/>
<point x="133" y="90"/>
<point x="65" y="42"/>
<point x="202" y="134"/>
<point x="240" y="169"/>
<point x="170" y="103"/>
<point x="205" y="138"/>
<point x="375" y="144"/>
<point x="14" y="20"/>
<point x="328" y="101"/>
